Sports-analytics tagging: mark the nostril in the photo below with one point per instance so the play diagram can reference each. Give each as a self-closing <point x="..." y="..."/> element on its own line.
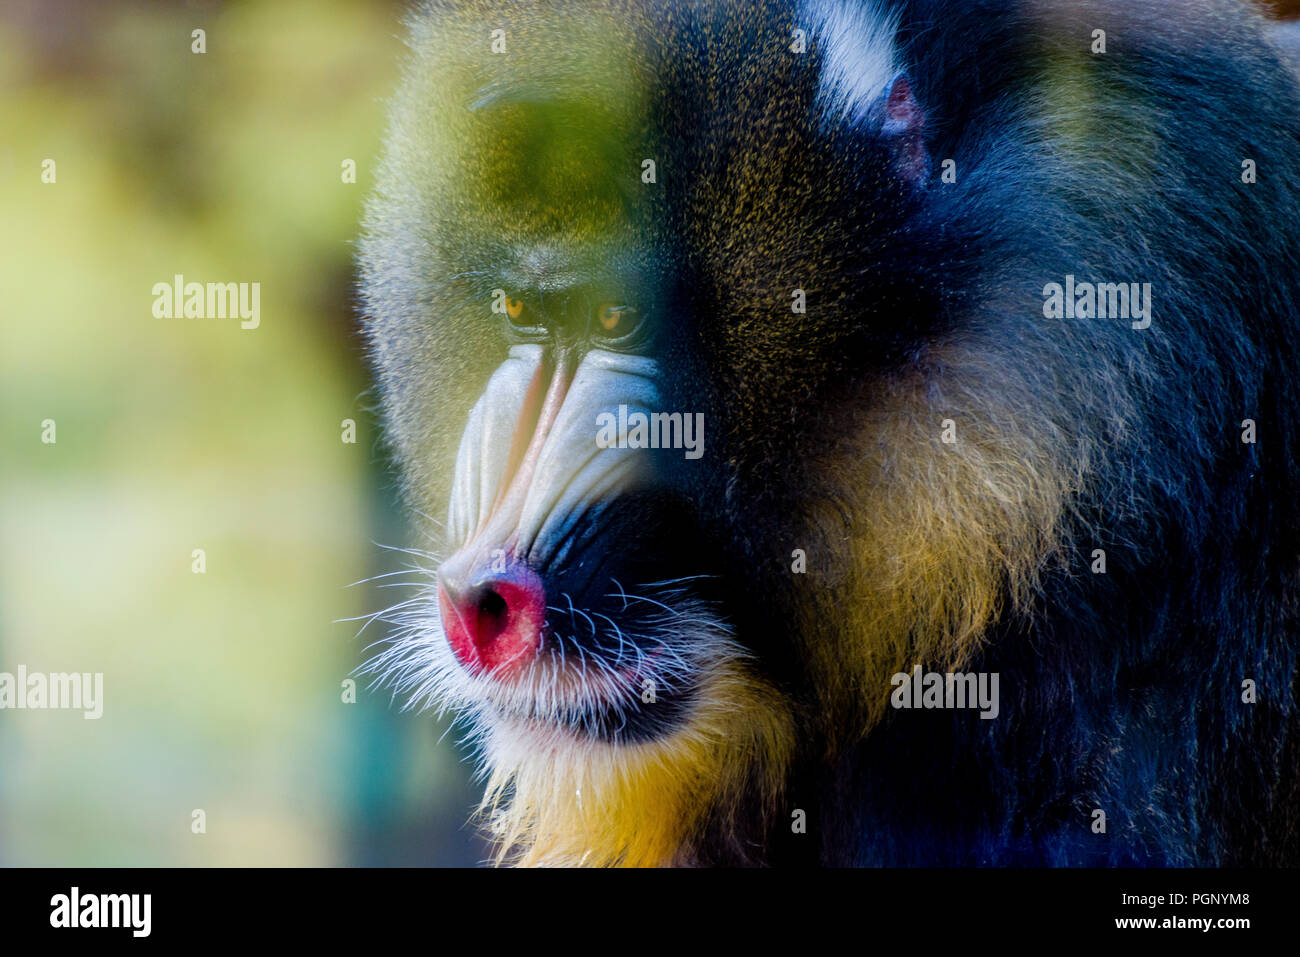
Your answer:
<point x="493" y="616"/>
<point x="496" y="623"/>
<point x="491" y="604"/>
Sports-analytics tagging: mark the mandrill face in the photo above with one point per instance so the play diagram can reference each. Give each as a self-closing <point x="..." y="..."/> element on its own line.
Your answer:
<point x="564" y="600"/>
<point x="575" y="594"/>
<point x="656" y="333"/>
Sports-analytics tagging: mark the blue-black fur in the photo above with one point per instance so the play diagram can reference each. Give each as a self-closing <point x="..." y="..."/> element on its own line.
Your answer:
<point x="1125" y="692"/>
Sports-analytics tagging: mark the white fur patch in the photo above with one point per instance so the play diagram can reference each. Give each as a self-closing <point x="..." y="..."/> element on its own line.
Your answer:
<point x="860" y="56"/>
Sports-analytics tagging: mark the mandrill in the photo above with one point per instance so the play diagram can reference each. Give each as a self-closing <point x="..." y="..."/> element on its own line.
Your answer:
<point x="868" y="432"/>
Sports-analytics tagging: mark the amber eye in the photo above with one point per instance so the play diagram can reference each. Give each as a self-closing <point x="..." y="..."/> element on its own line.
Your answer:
<point x="514" y="308"/>
<point x="617" y="320"/>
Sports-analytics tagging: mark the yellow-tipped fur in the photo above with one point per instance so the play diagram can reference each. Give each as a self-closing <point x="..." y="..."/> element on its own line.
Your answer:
<point x="553" y="800"/>
<point x="941" y="537"/>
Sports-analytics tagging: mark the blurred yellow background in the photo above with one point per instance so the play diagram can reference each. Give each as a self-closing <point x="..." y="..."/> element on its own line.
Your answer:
<point x="222" y="690"/>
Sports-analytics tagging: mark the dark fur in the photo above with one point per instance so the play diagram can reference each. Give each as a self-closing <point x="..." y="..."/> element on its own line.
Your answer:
<point x="1126" y="693"/>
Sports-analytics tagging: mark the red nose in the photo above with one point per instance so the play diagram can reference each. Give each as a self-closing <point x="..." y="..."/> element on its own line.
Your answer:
<point x="495" y="623"/>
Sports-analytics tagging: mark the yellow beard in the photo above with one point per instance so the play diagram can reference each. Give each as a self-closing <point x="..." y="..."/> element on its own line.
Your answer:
<point x="554" y="800"/>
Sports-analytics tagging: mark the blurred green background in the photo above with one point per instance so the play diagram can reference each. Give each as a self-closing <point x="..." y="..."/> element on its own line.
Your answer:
<point x="222" y="690"/>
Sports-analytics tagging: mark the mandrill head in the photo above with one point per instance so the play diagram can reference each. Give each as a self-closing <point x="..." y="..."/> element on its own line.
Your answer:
<point x="652" y="302"/>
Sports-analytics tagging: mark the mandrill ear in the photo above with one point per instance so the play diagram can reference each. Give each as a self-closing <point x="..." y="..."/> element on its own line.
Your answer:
<point x="903" y="130"/>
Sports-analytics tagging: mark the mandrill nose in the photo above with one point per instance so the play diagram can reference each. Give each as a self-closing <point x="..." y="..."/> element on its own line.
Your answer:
<point x="493" y="620"/>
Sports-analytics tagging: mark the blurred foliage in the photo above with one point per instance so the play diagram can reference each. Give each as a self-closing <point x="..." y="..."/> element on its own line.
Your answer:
<point x="222" y="690"/>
